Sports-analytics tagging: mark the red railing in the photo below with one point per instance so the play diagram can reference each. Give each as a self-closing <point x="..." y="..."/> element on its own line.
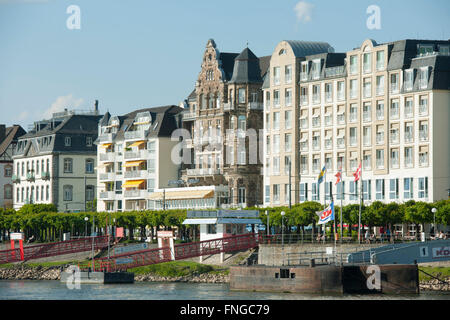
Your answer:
<point x="130" y="260"/>
<point x="54" y="249"/>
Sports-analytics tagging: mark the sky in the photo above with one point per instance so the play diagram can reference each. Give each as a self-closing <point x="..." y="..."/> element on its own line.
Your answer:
<point x="143" y="53"/>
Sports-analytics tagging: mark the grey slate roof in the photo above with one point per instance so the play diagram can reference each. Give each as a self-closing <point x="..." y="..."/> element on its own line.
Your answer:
<point x="307" y="48"/>
<point x="227" y="64"/>
<point x="12" y="134"/>
<point x="328" y="60"/>
<point x="246" y="68"/>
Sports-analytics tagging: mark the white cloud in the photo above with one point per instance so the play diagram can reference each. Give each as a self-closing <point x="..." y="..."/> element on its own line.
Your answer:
<point x="62" y="103"/>
<point x="303" y="11"/>
<point x="23" y="115"/>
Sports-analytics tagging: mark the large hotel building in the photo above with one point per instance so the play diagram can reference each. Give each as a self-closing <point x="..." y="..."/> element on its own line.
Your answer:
<point x="385" y="106"/>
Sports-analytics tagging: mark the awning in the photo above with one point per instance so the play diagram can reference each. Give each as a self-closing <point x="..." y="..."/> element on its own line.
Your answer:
<point x="136" y="144"/>
<point x="238" y="221"/>
<point x="182" y="195"/>
<point x="200" y="221"/>
<point x="106" y="145"/>
<point x="132" y="183"/>
<point x="133" y="163"/>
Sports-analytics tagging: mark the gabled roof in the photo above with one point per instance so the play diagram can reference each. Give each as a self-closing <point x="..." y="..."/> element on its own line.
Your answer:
<point x="11" y="136"/>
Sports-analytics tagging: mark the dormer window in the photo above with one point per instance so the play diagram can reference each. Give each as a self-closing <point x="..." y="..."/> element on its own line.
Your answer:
<point x="282" y="51"/>
<point x="67" y="141"/>
<point x="409" y="79"/>
<point x="315" y="69"/>
<point x="424" y="49"/>
<point x="143" y="118"/>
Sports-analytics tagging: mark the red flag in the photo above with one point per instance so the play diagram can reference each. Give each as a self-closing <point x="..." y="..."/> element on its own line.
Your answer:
<point x="357" y="174"/>
<point x="338" y="177"/>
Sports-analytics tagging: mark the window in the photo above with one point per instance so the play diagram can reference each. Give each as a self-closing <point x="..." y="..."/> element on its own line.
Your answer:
<point x="288" y="142"/>
<point x="68" y="165"/>
<point x="353" y="190"/>
<point x="340" y="191"/>
<point x="287" y="193"/>
<point x="241" y="95"/>
<point x="395" y="164"/>
<point x="8" y="193"/>
<point x="328" y="190"/>
<point x="367" y="189"/>
<point x="288" y="120"/>
<point x="276" y="75"/>
<point x="394" y="112"/>
<point x="89" y="141"/>
<point x="288" y="74"/>
<point x="211" y="229"/>
<point x="268" y="145"/>
<point x="380" y="159"/>
<point x="276" y="98"/>
<point x="47" y="193"/>
<point x="287" y="165"/>
<point x="276" y="121"/>
<point x="288" y="97"/>
<point x="242" y="123"/>
<point x="380" y="134"/>
<point x="341" y="90"/>
<point x="353" y="64"/>
<point x="380" y="110"/>
<point x="393" y="189"/>
<point x="380" y="60"/>
<point x="276" y="144"/>
<point x="267" y="100"/>
<point x="8" y="171"/>
<point x="394" y="83"/>
<point x="367" y="112"/>
<point x="267" y="194"/>
<point x="379" y="189"/>
<point x="303" y="96"/>
<point x="303" y="164"/>
<point x="304" y="71"/>
<point x="408" y="188"/>
<point x="423" y="105"/>
<point x="67" y="141"/>
<point x="89" y="166"/>
<point x="408" y="79"/>
<point x="67" y="192"/>
<point x="276" y="166"/>
<point x="409" y="108"/>
<point x="353" y="137"/>
<point x="380" y="85"/>
<point x="315" y="69"/>
<point x="423" y="130"/>
<point x="151" y="165"/>
<point x="276" y="193"/>
<point x="329" y="92"/>
<point x="90" y="193"/>
<point x="423" y="78"/>
<point x="408" y="157"/>
<point x="353" y="88"/>
<point x="315" y="192"/>
<point x="316" y="94"/>
<point x="367" y="62"/>
<point x="423" y="187"/>
<point x="367" y="136"/>
<point x="367" y="88"/>
<point x="303" y="192"/>
<point x="241" y="195"/>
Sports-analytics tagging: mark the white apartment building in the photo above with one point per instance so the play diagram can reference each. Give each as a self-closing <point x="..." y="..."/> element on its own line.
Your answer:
<point x="386" y="106"/>
<point x="134" y="154"/>
<point x="55" y="162"/>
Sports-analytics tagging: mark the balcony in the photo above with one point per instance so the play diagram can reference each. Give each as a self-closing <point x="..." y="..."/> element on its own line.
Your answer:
<point x="136" y="135"/>
<point x="394" y="113"/>
<point x="106" y="138"/>
<point x="423" y="109"/>
<point x="15" y="179"/>
<point x="304" y="146"/>
<point x="409" y="137"/>
<point x="203" y="172"/>
<point x="316" y="122"/>
<point x="423" y="135"/>
<point x="367" y="116"/>
<point x="341" y="118"/>
<point x="140" y="194"/>
<point x="380" y="114"/>
<point x="107" y="195"/>
<point x="334" y="71"/>
<point x="228" y="106"/>
<point x="255" y="106"/>
<point x="141" y="154"/>
<point x="316" y="144"/>
<point x="380" y="138"/>
<point x="328" y="143"/>
<point x="341" y="143"/>
<point x="353" y="116"/>
<point x="316" y="98"/>
<point x="136" y="174"/>
<point x="30" y="176"/>
<point x="304" y="123"/>
<point x="328" y="120"/>
<point x="394" y="137"/>
<point x="107" y="157"/>
<point x="394" y="88"/>
<point x="45" y="175"/>
<point x="189" y="116"/>
<point x="303" y="100"/>
<point x="108" y="176"/>
<point x="423" y="159"/>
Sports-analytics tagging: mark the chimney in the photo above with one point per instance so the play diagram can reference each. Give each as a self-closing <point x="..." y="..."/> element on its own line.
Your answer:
<point x="2" y="132"/>
<point x="96" y="107"/>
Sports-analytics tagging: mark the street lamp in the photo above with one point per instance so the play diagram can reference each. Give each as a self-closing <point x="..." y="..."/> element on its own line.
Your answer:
<point x="282" y="228"/>
<point x="434" y="210"/>
<point x="85" y="226"/>
<point x="267" y="214"/>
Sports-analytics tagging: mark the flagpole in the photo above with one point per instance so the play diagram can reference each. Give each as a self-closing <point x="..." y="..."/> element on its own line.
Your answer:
<point x="324" y="199"/>
<point x="360" y="203"/>
<point x="342" y="197"/>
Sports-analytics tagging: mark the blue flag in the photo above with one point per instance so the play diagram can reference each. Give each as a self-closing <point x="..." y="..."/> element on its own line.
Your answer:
<point x="322" y="173"/>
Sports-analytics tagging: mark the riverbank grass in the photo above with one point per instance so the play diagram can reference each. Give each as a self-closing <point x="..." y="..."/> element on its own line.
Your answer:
<point x="439" y="272"/>
<point x="178" y="269"/>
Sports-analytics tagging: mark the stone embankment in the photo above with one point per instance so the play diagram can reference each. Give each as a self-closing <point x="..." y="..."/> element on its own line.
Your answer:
<point x="435" y="285"/>
<point x="195" y="278"/>
<point x="24" y="272"/>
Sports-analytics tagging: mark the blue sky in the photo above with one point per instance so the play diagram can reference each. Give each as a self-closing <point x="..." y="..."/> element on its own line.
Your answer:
<point x="142" y="53"/>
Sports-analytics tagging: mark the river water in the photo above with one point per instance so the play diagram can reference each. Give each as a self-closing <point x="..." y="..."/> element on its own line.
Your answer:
<point x="55" y="290"/>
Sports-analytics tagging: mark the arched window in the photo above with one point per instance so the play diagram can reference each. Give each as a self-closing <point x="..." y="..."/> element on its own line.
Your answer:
<point x="241" y="123"/>
<point x="68" y="192"/>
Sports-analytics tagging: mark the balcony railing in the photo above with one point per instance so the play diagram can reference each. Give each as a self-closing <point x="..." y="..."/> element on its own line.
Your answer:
<point x="328" y="143"/>
<point x="394" y="137"/>
<point x="423" y="109"/>
<point x="135" y="193"/>
<point x="328" y="120"/>
<point x="106" y="137"/>
<point x="304" y="123"/>
<point x="189" y="116"/>
<point x="304" y="146"/>
<point x="408" y="137"/>
<point x="15" y="178"/>
<point x="423" y="135"/>
<point x="316" y="122"/>
<point x="353" y="116"/>
<point x="394" y="88"/>
<point x="141" y="174"/>
<point x="380" y="138"/>
<point x="394" y="113"/>
<point x="367" y="116"/>
<point x="316" y="144"/>
<point x="228" y="106"/>
<point x="45" y="175"/>
<point x="341" y="118"/>
<point x="423" y="159"/>
<point x="341" y="142"/>
<point x="109" y="195"/>
<point x="408" y="112"/>
<point x="30" y="177"/>
<point x="109" y="156"/>
<point x="316" y="98"/>
<point x="303" y="100"/>
<point x="380" y="114"/>
<point x="108" y="176"/>
<point x="423" y="83"/>
<point x="366" y="141"/>
<point x="255" y="106"/>
<point x="203" y="172"/>
<point x="141" y="154"/>
<point x="139" y="134"/>
<point x="335" y="71"/>
<point x="395" y="163"/>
